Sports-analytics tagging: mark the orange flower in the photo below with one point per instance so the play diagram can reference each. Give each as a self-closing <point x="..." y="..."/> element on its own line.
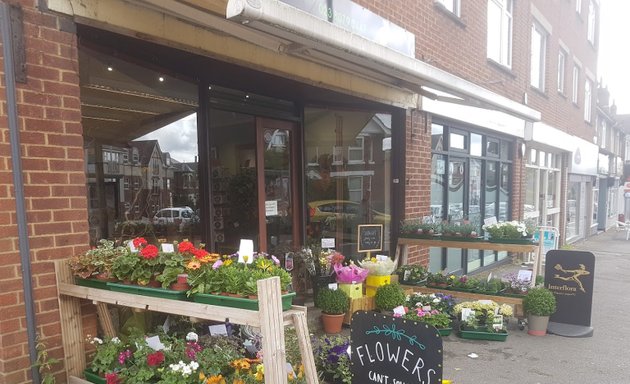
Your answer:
<point x="194" y="264"/>
<point x="241" y="364"/>
<point x="215" y="380"/>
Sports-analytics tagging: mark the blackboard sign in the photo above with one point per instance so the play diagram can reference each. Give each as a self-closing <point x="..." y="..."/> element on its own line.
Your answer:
<point x="570" y="275"/>
<point x="386" y="349"/>
<point x="370" y="237"/>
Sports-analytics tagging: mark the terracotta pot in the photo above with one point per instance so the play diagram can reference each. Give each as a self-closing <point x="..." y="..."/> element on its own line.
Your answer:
<point x="332" y="323"/>
<point x="154" y="284"/>
<point x="104" y="276"/>
<point x="537" y="325"/>
<point x="180" y="286"/>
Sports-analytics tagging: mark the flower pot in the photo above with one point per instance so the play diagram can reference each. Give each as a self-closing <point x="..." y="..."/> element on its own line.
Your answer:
<point x="182" y="278"/>
<point x="180" y="286"/>
<point x="332" y="323"/>
<point x="537" y="325"/>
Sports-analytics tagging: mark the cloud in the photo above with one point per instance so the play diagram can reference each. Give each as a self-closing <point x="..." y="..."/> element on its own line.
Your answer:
<point x="178" y="138"/>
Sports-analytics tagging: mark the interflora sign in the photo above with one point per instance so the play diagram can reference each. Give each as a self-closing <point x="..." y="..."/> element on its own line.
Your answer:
<point x="390" y="350"/>
<point x="570" y="275"/>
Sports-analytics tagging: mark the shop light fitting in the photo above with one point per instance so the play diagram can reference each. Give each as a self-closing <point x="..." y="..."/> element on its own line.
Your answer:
<point x="161" y="79"/>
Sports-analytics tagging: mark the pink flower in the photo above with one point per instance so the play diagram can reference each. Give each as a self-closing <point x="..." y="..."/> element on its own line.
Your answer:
<point x="217" y="264"/>
<point x="123" y="356"/>
<point x="275" y="260"/>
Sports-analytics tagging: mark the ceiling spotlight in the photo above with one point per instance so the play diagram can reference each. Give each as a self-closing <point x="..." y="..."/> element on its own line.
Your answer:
<point x="161" y="79"/>
<point x="247" y="96"/>
<point x="110" y="68"/>
<point x="210" y="87"/>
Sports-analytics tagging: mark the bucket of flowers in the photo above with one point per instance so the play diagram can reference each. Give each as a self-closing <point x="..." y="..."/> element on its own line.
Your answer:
<point x="483" y="320"/>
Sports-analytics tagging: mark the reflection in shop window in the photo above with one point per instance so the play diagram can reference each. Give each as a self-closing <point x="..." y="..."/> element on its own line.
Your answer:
<point x="146" y="135"/>
<point x="339" y="192"/>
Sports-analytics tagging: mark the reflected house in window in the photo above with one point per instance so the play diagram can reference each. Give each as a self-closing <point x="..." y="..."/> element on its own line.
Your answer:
<point x="185" y="185"/>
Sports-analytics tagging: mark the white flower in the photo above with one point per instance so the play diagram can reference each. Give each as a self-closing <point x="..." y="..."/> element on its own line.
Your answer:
<point x="115" y="340"/>
<point x="96" y="340"/>
<point x="436" y="300"/>
<point x="194" y="365"/>
<point x="192" y="336"/>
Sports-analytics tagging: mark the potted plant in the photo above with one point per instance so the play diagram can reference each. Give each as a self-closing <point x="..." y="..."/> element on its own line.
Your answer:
<point x="509" y="232"/>
<point x="412" y="274"/>
<point x="438" y="280"/>
<point x="538" y="304"/>
<point x="97" y="263"/>
<point x="483" y="319"/>
<point x="334" y="303"/>
<point x="332" y="359"/>
<point x="465" y="231"/>
<point x="388" y="297"/>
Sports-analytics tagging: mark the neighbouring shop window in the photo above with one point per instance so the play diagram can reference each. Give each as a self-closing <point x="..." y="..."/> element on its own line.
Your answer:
<point x="344" y="187"/>
<point x="129" y="113"/>
<point x="499" y="28"/>
<point x="542" y="194"/>
<point x="573" y="204"/>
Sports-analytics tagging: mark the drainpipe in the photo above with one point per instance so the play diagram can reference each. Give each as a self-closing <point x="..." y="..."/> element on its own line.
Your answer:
<point x="9" y="76"/>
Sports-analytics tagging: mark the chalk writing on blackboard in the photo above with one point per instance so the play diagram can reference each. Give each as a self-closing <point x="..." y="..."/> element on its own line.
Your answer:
<point x="370" y="237"/>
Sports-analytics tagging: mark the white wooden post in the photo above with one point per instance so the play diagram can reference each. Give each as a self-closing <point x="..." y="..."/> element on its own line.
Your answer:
<point x="272" y="329"/>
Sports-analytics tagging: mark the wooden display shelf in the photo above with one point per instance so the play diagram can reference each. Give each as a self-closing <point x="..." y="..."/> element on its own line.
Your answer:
<point x="515" y="302"/>
<point x="269" y="318"/>
<point x="402" y="250"/>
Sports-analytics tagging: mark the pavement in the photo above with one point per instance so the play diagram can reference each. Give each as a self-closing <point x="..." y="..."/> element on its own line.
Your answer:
<point x="603" y="358"/>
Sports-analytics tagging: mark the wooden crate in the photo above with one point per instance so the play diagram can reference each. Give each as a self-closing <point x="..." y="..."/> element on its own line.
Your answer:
<point x="364" y="303"/>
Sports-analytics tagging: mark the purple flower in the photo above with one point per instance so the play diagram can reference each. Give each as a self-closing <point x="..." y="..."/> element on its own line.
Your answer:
<point x="275" y="260"/>
<point x="217" y="264"/>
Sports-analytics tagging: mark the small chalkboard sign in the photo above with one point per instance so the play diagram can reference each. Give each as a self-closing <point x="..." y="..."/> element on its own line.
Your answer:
<point x="370" y="237"/>
<point x="386" y="349"/>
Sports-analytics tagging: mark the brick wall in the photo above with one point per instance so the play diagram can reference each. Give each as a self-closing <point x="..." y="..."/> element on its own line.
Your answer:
<point x="418" y="175"/>
<point x="49" y="119"/>
<point x="459" y="47"/>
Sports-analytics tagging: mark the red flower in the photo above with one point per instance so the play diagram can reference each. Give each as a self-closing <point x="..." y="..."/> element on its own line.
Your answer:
<point x="149" y="252"/>
<point x="154" y="359"/>
<point x="186" y="246"/>
<point x="112" y="378"/>
<point x="139" y="242"/>
<point x="200" y="253"/>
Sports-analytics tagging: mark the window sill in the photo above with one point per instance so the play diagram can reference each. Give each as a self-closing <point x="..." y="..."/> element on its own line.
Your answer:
<point x="501" y="67"/>
<point x="539" y="91"/>
<point x="456" y="18"/>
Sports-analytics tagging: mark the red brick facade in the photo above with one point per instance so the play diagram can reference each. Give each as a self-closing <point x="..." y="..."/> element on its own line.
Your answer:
<point x="49" y="109"/>
<point x="54" y="186"/>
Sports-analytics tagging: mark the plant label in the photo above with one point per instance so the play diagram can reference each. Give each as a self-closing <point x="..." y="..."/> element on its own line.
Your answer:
<point x="467" y="313"/>
<point x="218" y="330"/>
<point x="132" y="247"/>
<point x="490" y="220"/>
<point x="497" y="322"/>
<point x="333" y="286"/>
<point x="400" y="310"/>
<point x="168" y="248"/>
<point x="154" y="343"/>
<point x="328" y="243"/>
<point x="288" y="262"/>
<point x="524" y="275"/>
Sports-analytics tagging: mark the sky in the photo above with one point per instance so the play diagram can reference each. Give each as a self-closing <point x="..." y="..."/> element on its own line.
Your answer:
<point x="178" y="138"/>
<point x="613" y="67"/>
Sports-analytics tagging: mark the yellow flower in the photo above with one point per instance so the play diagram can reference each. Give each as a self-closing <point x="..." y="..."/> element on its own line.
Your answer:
<point x="300" y="371"/>
<point x="260" y="373"/>
<point x="227" y="262"/>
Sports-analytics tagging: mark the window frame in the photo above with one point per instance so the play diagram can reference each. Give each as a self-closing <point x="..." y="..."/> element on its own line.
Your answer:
<point x="504" y="56"/>
<point x="576" y="84"/>
<point x="588" y="100"/>
<point x="452" y="6"/>
<point x="537" y="78"/>
<point x="591" y="23"/>
<point x="561" y="70"/>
